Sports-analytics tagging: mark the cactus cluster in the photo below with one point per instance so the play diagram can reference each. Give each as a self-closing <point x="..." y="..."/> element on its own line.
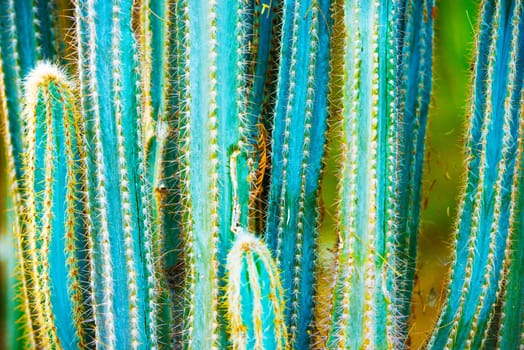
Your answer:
<point x="166" y="160"/>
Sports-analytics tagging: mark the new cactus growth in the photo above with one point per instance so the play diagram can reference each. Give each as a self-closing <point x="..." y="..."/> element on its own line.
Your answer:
<point x="484" y="218"/>
<point x="254" y="296"/>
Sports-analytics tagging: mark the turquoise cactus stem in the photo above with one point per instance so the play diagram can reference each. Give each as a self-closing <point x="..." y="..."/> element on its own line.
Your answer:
<point x="297" y="149"/>
<point x="12" y="84"/>
<point x="364" y="314"/>
<point x="126" y="312"/>
<point x="491" y="147"/>
<point x="211" y="126"/>
<point x="414" y="78"/>
<point x="254" y="296"/>
<point x="55" y="223"/>
<point x="511" y="334"/>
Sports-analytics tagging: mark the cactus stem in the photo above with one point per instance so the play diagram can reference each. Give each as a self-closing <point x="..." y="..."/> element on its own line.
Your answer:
<point x="84" y="87"/>
<point x="511" y="287"/>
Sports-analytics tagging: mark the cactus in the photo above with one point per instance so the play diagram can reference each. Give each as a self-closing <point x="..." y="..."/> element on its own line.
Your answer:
<point x="511" y="333"/>
<point x="492" y="144"/>
<point x="26" y="37"/>
<point x="299" y="125"/>
<point x="211" y="126"/>
<point x="166" y="187"/>
<point x="125" y="278"/>
<point x="254" y="296"/>
<point x="54" y="207"/>
<point x="382" y="106"/>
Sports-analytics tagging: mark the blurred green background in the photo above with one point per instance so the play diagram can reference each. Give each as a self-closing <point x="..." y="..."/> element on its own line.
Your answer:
<point x="455" y="22"/>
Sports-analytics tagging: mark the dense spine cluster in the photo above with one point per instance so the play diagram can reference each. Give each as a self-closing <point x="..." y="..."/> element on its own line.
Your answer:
<point x="485" y="225"/>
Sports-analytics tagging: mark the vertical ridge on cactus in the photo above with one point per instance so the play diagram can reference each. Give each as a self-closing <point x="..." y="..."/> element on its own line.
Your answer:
<point x="511" y="334"/>
<point x="415" y="82"/>
<point x="360" y="265"/>
<point x="492" y="140"/>
<point x="159" y="64"/>
<point x="254" y="296"/>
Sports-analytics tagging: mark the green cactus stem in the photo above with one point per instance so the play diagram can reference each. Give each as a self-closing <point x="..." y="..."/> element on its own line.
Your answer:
<point x="254" y="296"/>
<point x="492" y="142"/>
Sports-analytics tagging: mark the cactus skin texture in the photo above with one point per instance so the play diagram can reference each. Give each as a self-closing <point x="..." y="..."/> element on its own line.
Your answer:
<point x="55" y="230"/>
<point x="299" y="125"/>
<point x="380" y="105"/>
<point x="511" y="333"/>
<point x="414" y="31"/>
<point x="485" y="228"/>
<point x="254" y="296"/>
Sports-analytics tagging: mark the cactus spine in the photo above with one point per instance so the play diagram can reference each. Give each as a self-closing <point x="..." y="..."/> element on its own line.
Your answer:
<point x="492" y="143"/>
